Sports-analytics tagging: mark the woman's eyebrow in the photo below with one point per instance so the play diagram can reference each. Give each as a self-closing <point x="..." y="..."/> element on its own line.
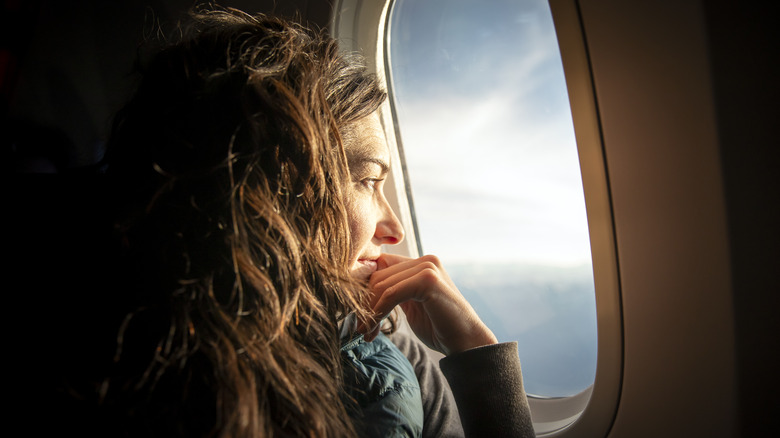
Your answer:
<point x="360" y="161"/>
<point x="383" y="165"/>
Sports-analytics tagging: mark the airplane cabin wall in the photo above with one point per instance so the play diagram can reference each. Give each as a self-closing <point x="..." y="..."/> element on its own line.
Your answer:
<point x="745" y="59"/>
<point x="686" y="118"/>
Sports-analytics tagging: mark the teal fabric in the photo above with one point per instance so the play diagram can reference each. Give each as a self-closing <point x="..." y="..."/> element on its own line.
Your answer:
<point x="382" y="389"/>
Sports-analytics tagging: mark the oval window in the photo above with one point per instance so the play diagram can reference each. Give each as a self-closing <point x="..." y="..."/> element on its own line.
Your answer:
<point x="480" y="99"/>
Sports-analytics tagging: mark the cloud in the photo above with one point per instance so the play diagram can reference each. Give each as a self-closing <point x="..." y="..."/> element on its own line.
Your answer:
<point x="495" y="173"/>
<point x="486" y="181"/>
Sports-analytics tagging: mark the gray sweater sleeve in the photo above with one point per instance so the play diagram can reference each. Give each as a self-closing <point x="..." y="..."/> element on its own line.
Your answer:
<point x="488" y="388"/>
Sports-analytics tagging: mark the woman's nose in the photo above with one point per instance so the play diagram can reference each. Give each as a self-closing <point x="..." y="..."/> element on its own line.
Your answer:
<point x="389" y="230"/>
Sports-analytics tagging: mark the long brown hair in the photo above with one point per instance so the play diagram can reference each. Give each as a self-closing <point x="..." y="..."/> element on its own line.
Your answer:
<point x="229" y="169"/>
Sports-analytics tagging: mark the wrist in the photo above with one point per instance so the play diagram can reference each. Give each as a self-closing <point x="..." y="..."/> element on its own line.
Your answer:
<point x="480" y="338"/>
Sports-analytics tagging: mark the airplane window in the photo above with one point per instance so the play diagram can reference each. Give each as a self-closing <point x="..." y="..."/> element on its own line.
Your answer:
<point x="485" y="125"/>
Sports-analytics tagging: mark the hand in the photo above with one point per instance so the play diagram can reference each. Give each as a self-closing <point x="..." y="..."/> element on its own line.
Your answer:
<point x="437" y="312"/>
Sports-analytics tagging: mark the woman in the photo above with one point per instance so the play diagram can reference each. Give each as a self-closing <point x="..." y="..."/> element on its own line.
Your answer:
<point x="248" y="173"/>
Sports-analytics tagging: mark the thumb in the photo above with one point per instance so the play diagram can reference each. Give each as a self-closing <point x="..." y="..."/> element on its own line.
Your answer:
<point x="386" y="260"/>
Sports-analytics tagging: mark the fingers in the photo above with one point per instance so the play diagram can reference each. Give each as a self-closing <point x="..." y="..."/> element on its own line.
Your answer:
<point x="391" y="264"/>
<point x="399" y="279"/>
<point x="417" y="284"/>
<point x="435" y="309"/>
<point x="383" y="279"/>
<point x="385" y="260"/>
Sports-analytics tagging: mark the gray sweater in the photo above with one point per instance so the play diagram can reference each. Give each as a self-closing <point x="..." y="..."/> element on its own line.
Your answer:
<point x="476" y="393"/>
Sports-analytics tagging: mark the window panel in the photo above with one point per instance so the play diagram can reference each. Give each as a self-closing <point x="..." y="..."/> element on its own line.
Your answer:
<point x="484" y="118"/>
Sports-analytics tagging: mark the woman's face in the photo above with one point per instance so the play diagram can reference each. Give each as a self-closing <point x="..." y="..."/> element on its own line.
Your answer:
<point x="372" y="222"/>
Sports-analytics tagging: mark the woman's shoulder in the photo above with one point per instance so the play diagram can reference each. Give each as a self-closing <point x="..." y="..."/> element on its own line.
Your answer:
<point x="380" y="362"/>
<point x="382" y="387"/>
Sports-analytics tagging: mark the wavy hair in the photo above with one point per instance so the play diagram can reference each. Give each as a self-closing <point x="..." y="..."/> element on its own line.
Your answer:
<point x="229" y="169"/>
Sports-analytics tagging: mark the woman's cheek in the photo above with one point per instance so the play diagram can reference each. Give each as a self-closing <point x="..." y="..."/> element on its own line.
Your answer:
<point x="358" y="217"/>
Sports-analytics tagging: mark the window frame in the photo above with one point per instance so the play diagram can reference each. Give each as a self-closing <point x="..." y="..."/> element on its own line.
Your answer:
<point x="360" y="26"/>
<point x="363" y="26"/>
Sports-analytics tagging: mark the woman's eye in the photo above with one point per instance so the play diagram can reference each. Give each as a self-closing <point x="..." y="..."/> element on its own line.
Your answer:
<point x="371" y="183"/>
